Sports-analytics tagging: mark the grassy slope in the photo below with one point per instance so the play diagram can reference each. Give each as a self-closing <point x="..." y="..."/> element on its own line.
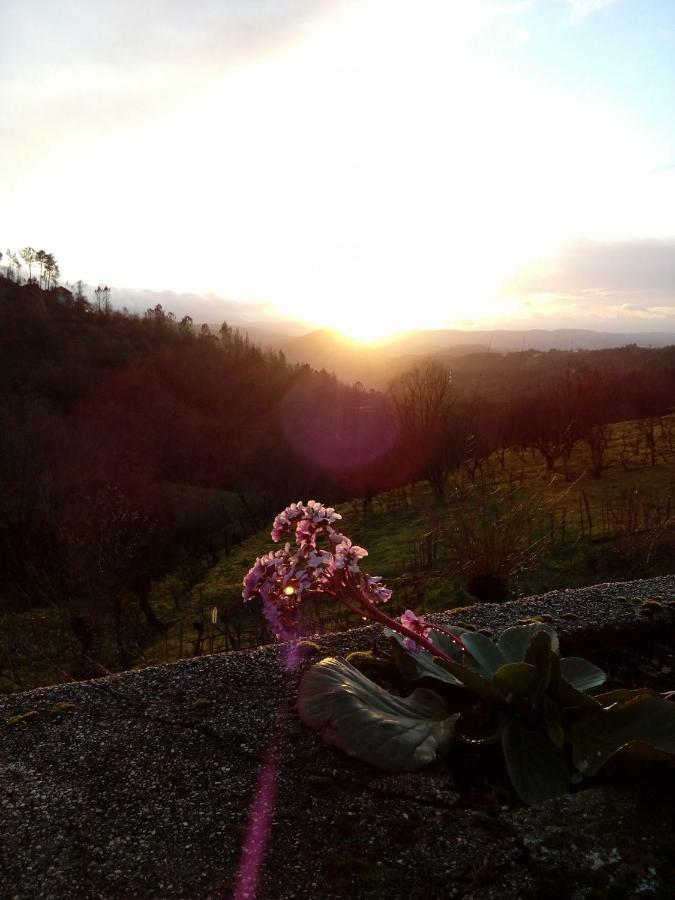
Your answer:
<point x="396" y="521"/>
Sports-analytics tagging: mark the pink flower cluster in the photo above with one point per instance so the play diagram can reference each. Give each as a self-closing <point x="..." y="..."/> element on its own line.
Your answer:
<point x="417" y="625"/>
<point x="283" y="577"/>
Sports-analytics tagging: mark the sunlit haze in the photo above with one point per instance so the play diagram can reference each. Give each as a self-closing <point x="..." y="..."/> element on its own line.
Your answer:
<point x="369" y="166"/>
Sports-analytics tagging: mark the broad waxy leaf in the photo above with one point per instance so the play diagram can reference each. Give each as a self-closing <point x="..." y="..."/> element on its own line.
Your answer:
<point x="514" y="642"/>
<point x="414" y="666"/>
<point x="486" y="653"/>
<point x="643" y="720"/>
<point x="539" y="648"/>
<point x="445" y="643"/>
<point x="571" y="698"/>
<point x="480" y="685"/>
<point x="515" y="679"/>
<point x="581" y="674"/>
<point x="398" y="734"/>
<point x="540" y="655"/>
<point x="536" y="768"/>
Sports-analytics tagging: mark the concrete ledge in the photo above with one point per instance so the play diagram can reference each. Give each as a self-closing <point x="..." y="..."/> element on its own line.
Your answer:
<point x="139" y="791"/>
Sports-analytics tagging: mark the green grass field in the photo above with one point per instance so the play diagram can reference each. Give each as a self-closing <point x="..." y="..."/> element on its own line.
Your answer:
<point x="591" y="527"/>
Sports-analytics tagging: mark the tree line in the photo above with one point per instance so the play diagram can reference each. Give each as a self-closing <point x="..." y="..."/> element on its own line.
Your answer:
<point x="542" y="404"/>
<point x="46" y="266"/>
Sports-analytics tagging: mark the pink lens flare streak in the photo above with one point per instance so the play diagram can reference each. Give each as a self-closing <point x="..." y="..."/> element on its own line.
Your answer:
<point x="264" y="803"/>
<point x="259" y="827"/>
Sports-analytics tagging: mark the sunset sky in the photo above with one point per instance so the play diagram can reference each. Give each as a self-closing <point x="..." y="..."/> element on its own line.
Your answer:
<point x="365" y="164"/>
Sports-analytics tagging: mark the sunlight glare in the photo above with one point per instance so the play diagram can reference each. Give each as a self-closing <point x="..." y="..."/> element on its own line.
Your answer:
<point x="350" y="190"/>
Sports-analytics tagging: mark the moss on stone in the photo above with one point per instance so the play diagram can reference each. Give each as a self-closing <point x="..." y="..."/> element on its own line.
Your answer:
<point x="651" y="607"/>
<point x="61" y="708"/>
<point x="465" y="625"/>
<point x="201" y="704"/>
<point x="23" y="718"/>
<point x="368" y="663"/>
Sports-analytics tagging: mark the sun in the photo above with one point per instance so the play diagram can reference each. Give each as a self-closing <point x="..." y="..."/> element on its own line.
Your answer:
<point x="400" y="300"/>
<point x="369" y="331"/>
<point x="369" y="321"/>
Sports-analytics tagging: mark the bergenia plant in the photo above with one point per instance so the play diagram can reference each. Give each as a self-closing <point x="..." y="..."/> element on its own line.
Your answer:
<point x="458" y="685"/>
<point x="320" y="560"/>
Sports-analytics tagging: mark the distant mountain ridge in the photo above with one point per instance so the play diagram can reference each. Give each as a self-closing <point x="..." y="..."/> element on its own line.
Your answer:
<point x="508" y="341"/>
<point x="375" y="365"/>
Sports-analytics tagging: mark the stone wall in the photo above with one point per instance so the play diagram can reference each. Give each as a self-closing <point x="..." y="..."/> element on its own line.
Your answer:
<point x="158" y="783"/>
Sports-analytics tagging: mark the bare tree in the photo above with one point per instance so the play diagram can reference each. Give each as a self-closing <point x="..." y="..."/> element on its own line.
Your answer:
<point x="29" y="256"/>
<point x="41" y="258"/>
<point x="424" y="401"/>
<point x="597" y="439"/>
<point x="80" y="296"/>
<point x="103" y="300"/>
<point x="51" y="270"/>
<point x="545" y="423"/>
<point x="14" y="260"/>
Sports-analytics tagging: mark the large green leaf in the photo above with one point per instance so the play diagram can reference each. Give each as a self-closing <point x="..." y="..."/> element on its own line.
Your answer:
<point x="581" y="674"/>
<point x="570" y="698"/>
<point x="445" y="643"/>
<point x="486" y="653"/>
<point x="399" y="734"/>
<point x="537" y="769"/>
<point x="481" y="686"/>
<point x="415" y="665"/>
<point x="515" y="679"/>
<point x="438" y="638"/>
<point x="644" y="720"/>
<point x="541" y="655"/>
<point x="515" y="641"/>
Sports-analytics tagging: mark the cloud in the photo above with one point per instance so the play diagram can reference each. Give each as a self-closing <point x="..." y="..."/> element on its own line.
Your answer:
<point x="77" y="70"/>
<point x="607" y="284"/>
<point x="605" y="268"/>
<point x="201" y="307"/>
<point x="583" y="8"/>
<point x="119" y="32"/>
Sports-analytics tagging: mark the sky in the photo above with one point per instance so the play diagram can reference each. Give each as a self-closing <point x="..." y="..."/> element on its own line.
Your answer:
<point x="369" y="165"/>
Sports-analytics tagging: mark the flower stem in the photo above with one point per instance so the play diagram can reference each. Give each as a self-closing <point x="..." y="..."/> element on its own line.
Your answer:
<point x="372" y="612"/>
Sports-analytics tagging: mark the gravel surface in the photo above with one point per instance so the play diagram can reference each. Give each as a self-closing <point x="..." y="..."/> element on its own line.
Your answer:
<point x="145" y="784"/>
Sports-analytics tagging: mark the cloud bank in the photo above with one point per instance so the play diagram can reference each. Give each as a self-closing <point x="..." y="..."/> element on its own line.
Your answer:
<point x="608" y="283"/>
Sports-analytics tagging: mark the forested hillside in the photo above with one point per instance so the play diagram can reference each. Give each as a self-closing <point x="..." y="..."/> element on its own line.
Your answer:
<point x="133" y="446"/>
